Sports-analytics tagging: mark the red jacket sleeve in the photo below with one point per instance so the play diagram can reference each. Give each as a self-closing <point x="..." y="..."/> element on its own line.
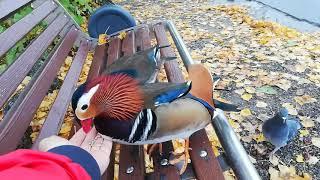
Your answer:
<point x="29" y="164"/>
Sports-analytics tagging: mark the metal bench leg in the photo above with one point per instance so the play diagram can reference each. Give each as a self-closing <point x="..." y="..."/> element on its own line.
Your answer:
<point x="237" y="156"/>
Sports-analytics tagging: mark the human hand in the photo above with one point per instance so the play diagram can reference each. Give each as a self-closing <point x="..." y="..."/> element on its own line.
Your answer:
<point x="93" y="142"/>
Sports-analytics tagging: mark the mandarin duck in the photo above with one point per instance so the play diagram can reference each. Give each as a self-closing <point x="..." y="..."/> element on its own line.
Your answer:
<point x="280" y="129"/>
<point x="125" y="107"/>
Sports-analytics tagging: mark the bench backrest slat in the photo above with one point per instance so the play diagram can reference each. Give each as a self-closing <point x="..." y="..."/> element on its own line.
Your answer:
<point x="13" y="76"/>
<point x="113" y="50"/>
<point x="17" y="120"/>
<point x="113" y="53"/>
<point x="57" y="112"/>
<point x="98" y="62"/>
<point x="8" y="6"/>
<point x="18" y="30"/>
<point x="131" y="156"/>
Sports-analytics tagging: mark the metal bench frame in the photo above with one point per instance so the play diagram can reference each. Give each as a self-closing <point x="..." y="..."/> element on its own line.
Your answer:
<point x="12" y="128"/>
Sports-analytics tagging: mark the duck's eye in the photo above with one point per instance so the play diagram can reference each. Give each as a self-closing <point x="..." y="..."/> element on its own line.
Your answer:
<point x="84" y="107"/>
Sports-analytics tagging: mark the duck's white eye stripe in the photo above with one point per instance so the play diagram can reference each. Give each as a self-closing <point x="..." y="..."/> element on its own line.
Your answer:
<point x="85" y="98"/>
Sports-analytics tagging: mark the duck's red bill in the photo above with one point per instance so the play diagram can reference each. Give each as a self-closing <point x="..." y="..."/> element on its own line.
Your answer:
<point x="86" y="125"/>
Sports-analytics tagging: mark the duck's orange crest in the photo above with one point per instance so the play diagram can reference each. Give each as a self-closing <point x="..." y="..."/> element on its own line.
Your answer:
<point x="118" y="96"/>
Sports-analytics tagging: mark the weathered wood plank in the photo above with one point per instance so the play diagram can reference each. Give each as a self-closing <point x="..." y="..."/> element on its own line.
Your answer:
<point x="18" y="30"/>
<point x="8" y="6"/>
<point x="131" y="156"/>
<point x="58" y="110"/>
<point x="15" y="123"/>
<point x="204" y="168"/>
<point x="172" y="68"/>
<point x="113" y="50"/>
<point x="165" y="171"/>
<point x="13" y="76"/>
<point x="99" y="60"/>
<point x="113" y="53"/>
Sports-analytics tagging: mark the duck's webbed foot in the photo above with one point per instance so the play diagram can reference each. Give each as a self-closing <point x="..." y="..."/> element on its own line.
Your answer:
<point x="178" y="157"/>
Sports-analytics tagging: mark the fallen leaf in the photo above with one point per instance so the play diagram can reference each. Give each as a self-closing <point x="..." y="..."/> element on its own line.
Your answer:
<point x="274" y="160"/>
<point x="267" y="90"/>
<point x="250" y="89"/>
<point x="245" y="112"/>
<point x="283" y="84"/>
<point x="246" y="139"/>
<point x="306" y="122"/>
<point x="252" y="159"/>
<point x="316" y="141"/>
<point x="299" y="158"/>
<point x="246" y="96"/>
<point x="261" y="104"/>
<point x="290" y="109"/>
<point x="274" y="174"/>
<point x="300" y="68"/>
<point x="239" y="91"/>
<point x="303" y="132"/>
<point x="102" y="39"/>
<point x="313" y="160"/>
<point x="287" y="172"/>
<point x="305" y="99"/>
<point x="259" y="138"/>
<point x="122" y="35"/>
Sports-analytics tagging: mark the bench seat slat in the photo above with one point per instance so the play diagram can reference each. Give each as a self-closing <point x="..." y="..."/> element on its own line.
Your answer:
<point x="8" y="6"/>
<point x="169" y="171"/>
<point x="58" y="110"/>
<point x="15" y="123"/>
<point x="13" y="76"/>
<point x="207" y="167"/>
<point x="18" y="30"/>
<point x="204" y="168"/>
<point x="131" y="156"/>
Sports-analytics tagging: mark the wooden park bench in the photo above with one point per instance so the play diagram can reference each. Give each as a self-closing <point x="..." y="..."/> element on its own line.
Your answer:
<point x="204" y="164"/>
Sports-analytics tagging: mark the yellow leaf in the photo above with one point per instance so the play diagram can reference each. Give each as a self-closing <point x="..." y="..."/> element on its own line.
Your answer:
<point x="65" y="128"/>
<point x="299" y="158"/>
<point x="246" y="96"/>
<point x="245" y="112"/>
<point x="305" y="99"/>
<point x="122" y="35"/>
<point x="303" y="132"/>
<point x="307" y="176"/>
<point x="259" y="137"/>
<point x="103" y="39"/>
<point x="41" y="114"/>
